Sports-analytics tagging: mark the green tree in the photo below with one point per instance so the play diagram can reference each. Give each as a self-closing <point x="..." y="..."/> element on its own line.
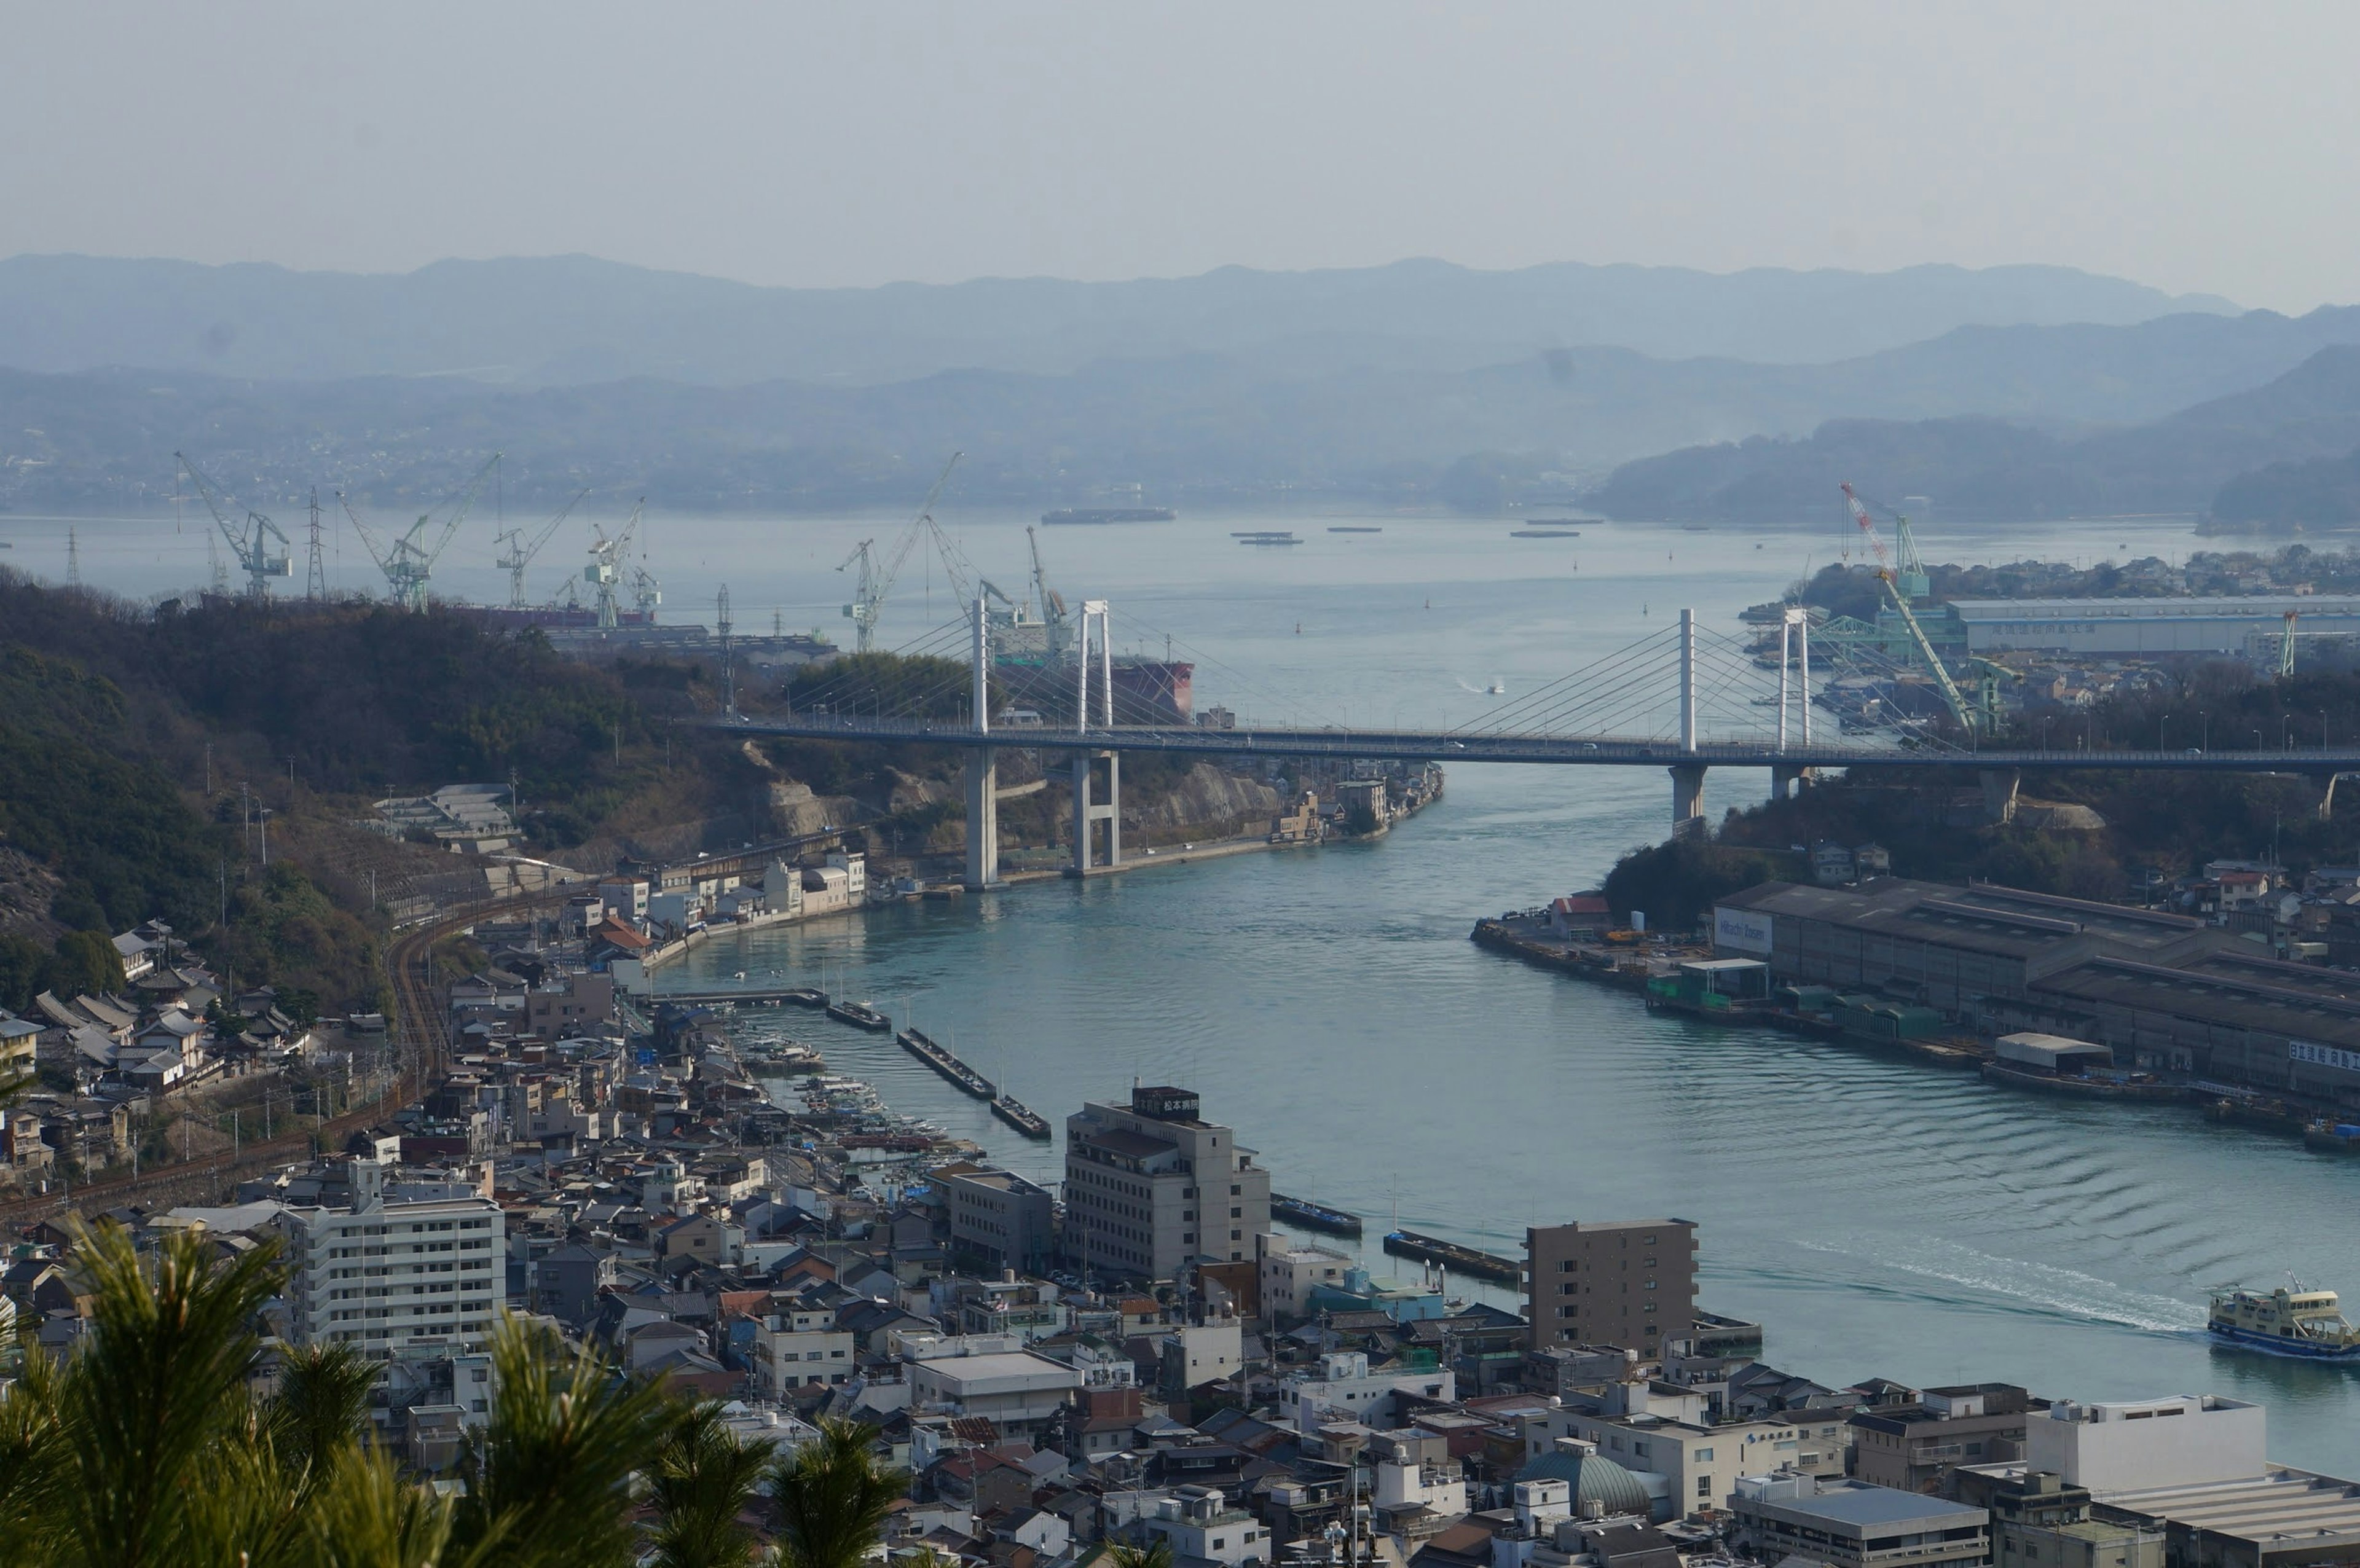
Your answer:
<point x="703" y="1479"/>
<point x="833" y="1497"/>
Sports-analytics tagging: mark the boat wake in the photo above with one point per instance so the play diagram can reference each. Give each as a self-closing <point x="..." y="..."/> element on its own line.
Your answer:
<point x="2067" y="1292"/>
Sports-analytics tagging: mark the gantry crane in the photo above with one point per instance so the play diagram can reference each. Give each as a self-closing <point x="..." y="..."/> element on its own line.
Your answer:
<point x="875" y="581"/>
<point x="515" y="554"/>
<point x="1951" y="696"/>
<point x="409" y="562"/>
<point x="605" y="571"/>
<point x="252" y="544"/>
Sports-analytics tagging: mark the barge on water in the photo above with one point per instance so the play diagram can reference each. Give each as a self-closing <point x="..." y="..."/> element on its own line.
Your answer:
<point x="1314" y="1216"/>
<point x="964" y="1078"/>
<point x="859" y="1015"/>
<point x="1454" y="1258"/>
<point x="1020" y="1116"/>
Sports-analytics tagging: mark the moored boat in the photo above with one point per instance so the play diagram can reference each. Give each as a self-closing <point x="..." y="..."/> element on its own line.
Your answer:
<point x="859" y="1015"/>
<point x="2297" y="1322"/>
<point x="804" y="996"/>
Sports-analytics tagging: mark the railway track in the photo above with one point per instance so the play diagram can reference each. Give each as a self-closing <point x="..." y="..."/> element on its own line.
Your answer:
<point x="422" y="1033"/>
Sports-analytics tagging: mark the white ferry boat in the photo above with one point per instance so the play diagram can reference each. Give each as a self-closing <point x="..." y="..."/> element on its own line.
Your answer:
<point x="2285" y="1323"/>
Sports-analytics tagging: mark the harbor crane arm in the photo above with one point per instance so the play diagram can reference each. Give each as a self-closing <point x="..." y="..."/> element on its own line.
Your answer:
<point x="377" y="553"/>
<point x="518" y="555"/>
<point x="459" y="508"/>
<point x="876" y="581"/>
<point x="253" y="551"/>
<point x="1951" y="697"/>
<point x="2286" y="644"/>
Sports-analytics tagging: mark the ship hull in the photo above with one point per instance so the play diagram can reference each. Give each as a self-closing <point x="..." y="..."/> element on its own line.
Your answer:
<point x="2307" y="1350"/>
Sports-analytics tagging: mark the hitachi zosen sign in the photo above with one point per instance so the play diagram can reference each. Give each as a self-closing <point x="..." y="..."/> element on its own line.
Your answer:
<point x="1741" y="930"/>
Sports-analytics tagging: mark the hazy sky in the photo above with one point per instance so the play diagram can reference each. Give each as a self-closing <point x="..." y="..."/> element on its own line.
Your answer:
<point x="2196" y="148"/>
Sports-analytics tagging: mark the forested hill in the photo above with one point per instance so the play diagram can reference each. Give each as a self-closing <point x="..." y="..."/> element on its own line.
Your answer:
<point x="2299" y="430"/>
<point x="135" y="744"/>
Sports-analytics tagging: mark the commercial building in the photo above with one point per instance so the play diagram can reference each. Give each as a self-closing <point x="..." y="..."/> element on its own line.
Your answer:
<point x="1016" y="1390"/>
<point x="1624" y="1282"/>
<point x="1681" y="1453"/>
<point x="1342" y="1385"/>
<point x="1916" y="1447"/>
<point x="1850" y="1524"/>
<point x="1150" y="1188"/>
<point x="2134" y="1446"/>
<point x="1001" y="1217"/>
<point x="1291" y="1271"/>
<point x="2038" y="1519"/>
<point x="2209" y="625"/>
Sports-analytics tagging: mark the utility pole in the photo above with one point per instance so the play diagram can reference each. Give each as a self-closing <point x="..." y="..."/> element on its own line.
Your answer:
<point x="316" y="586"/>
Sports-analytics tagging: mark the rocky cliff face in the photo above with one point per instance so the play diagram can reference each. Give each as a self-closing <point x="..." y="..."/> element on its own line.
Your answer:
<point x="1206" y="803"/>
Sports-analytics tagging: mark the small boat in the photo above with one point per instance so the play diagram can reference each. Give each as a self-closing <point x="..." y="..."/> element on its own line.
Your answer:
<point x="1451" y="1256"/>
<point x="804" y="996"/>
<point x="1354" y="528"/>
<point x="1020" y="1116"/>
<point x="2308" y="1323"/>
<point x="859" y="1015"/>
<point x="961" y="1075"/>
<point x="1314" y="1216"/>
<point x="1544" y="533"/>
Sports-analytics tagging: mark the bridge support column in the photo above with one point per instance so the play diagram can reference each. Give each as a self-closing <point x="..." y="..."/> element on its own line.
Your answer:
<point x="1787" y="782"/>
<point x="1999" y="794"/>
<point x="1086" y="815"/>
<point x="982" y="769"/>
<point x="2325" y="784"/>
<point x="1687" y="800"/>
<point x="983" y="817"/>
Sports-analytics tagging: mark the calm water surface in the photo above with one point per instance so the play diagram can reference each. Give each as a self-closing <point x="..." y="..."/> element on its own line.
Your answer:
<point x="1879" y="1217"/>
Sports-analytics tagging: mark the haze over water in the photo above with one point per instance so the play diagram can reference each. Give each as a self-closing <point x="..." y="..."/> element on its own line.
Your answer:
<point x="1878" y="1217"/>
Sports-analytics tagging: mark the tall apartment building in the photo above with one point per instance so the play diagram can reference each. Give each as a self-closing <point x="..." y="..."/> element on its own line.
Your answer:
<point x="1622" y="1282"/>
<point x="398" y="1268"/>
<point x="1151" y="1188"/>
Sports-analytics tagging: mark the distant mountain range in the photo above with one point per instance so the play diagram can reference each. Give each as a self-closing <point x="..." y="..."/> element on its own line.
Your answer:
<point x="2299" y="430"/>
<point x="571" y="321"/>
<point x="2026" y="391"/>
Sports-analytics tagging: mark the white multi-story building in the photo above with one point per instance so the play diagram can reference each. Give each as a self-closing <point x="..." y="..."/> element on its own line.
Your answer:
<point x="798" y="1345"/>
<point x="2141" y="1446"/>
<point x="1342" y="1387"/>
<point x="1290" y="1269"/>
<point x="1202" y="1527"/>
<point x="407" y="1270"/>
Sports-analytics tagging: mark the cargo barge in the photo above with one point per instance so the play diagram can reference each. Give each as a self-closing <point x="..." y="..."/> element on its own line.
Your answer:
<point x="859" y="1015"/>
<point x="1020" y="1116"/>
<point x="964" y="1078"/>
<point x="1313" y="1216"/>
<point x="1091" y="514"/>
<point x="1454" y="1258"/>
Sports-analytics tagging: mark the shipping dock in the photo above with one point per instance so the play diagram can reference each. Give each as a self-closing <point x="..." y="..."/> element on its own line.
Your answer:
<point x="1020" y="1116"/>
<point x="1314" y="1216"/>
<point x="966" y="1079"/>
<point x="859" y="1015"/>
<point x="1454" y="1258"/>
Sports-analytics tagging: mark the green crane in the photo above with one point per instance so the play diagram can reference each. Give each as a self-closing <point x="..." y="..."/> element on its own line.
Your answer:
<point x="408" y="561"/>
<point x="1952" y="698"/>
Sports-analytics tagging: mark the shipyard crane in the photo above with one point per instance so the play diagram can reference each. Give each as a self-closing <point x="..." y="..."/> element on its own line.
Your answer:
<point x="408" y="561"/>
<point x="515" y="554"/>
<point x="251" y="544"/>
<point x="605" y="571"/>
<point x="1951" y="696"/>
<point x="876" y="581"/>
<point x="2286" y="644"/>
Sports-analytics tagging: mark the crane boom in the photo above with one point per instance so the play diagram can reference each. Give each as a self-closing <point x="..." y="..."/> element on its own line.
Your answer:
<point x="252" y="546"/>
<point x="518" y="554"/>
<point x="877" y="581"/>
<point x="1951" y="696"/>
<point x="466" y="501"/>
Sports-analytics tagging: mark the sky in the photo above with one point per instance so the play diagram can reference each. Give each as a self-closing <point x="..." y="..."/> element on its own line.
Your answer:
<point x="2194" y="148"/>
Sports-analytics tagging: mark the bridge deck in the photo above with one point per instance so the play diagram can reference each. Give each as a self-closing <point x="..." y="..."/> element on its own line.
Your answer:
<point x="1609" y="751"/>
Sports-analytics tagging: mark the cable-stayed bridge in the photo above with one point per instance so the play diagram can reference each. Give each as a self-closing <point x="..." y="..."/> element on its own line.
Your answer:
<point x="1683" y="698"/>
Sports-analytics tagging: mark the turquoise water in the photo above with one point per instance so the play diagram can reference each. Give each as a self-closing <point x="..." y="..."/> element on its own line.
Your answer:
<point x="1880" y="1217"/>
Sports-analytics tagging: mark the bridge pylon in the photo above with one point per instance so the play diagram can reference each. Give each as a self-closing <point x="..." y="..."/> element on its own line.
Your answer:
<point x="982" y="771"/>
